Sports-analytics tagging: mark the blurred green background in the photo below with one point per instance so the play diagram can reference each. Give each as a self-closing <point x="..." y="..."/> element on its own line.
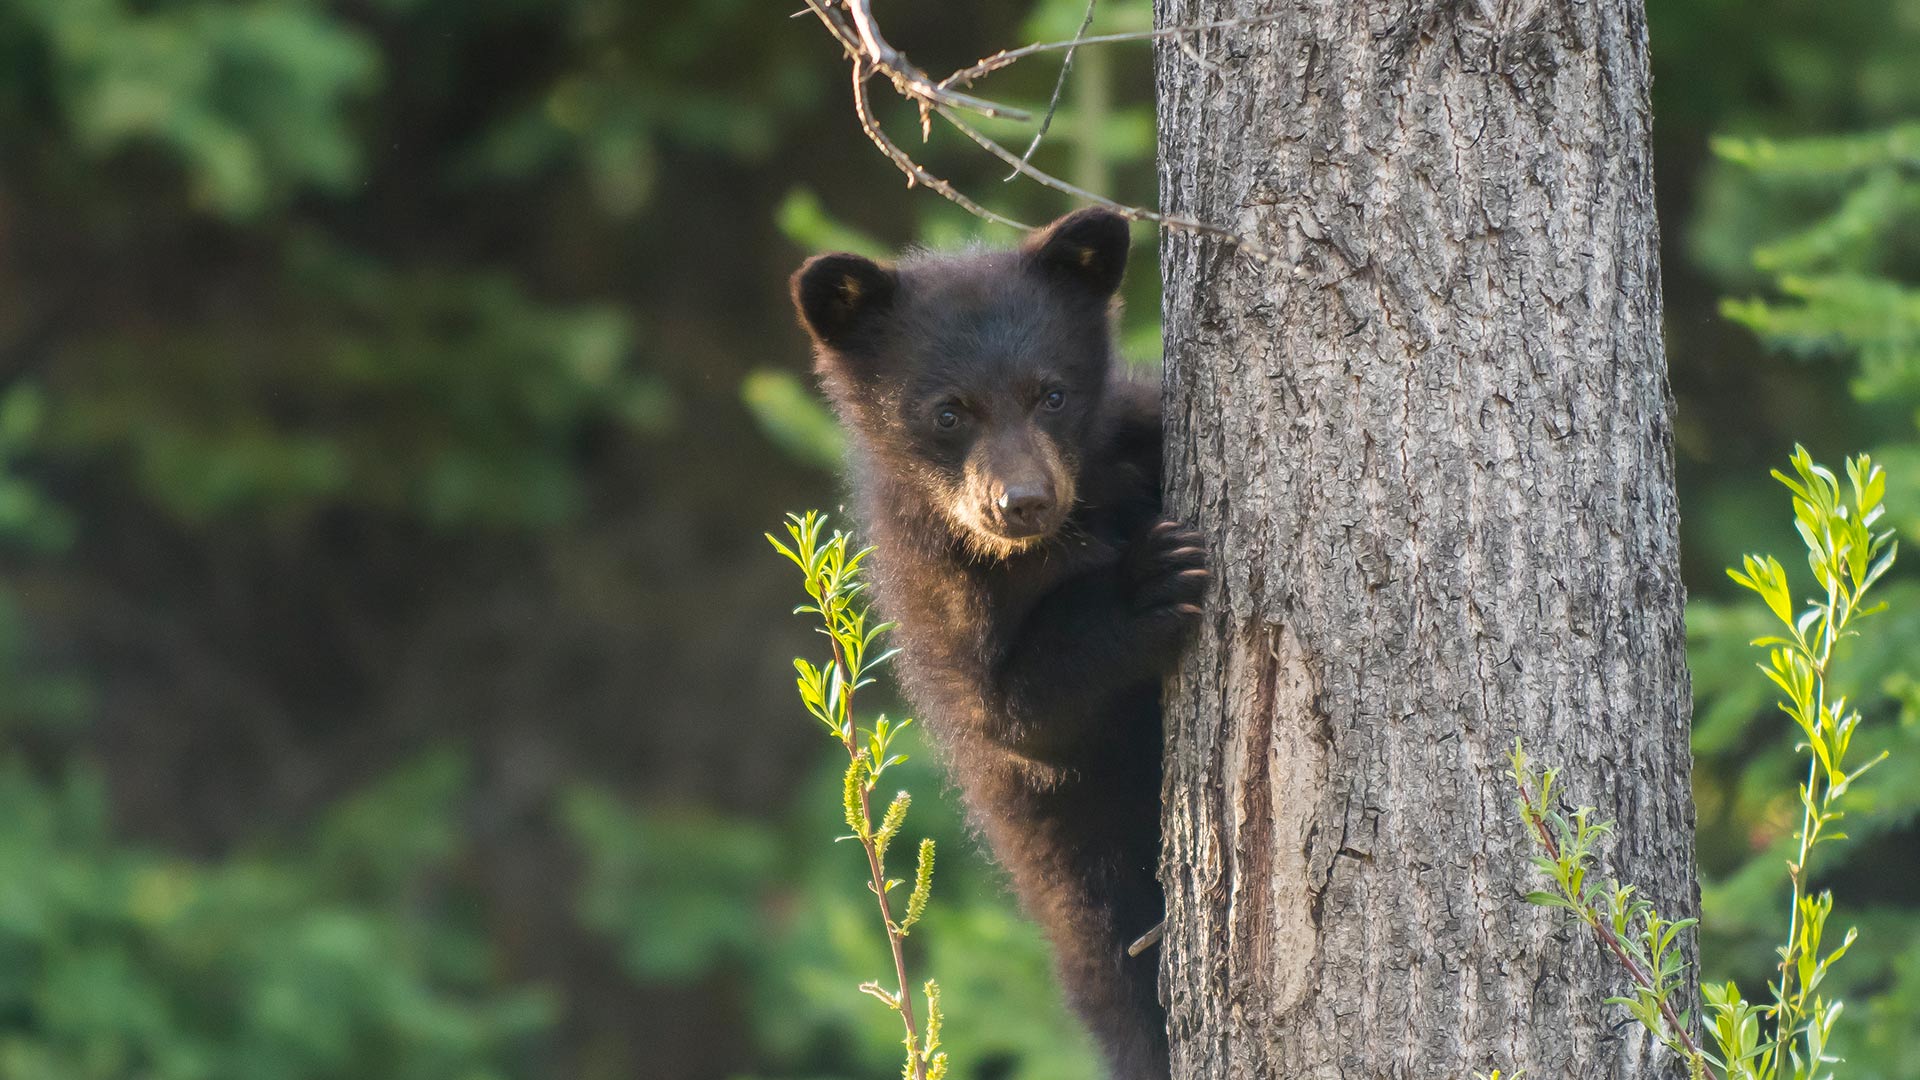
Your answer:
<point x="392" y="397"/>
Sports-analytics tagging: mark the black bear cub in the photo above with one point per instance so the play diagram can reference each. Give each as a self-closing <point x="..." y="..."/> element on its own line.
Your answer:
<point x="1011" y="483"/>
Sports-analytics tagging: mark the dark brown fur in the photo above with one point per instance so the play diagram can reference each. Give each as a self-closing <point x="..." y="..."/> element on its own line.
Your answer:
<point x="1040" y="595"/>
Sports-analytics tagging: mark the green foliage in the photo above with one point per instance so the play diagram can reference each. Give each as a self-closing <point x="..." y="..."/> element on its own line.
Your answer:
<point x="28" y="518"/>
<point x="690" y="896"/>
<point x="35" y="698"/>
<point x="1847" y="557"/>
<point x="344" y="361"/>
<point x="806" y="222"/>
<point x="1740" y="893"/>
<point x="694" y="879"/>
<point x="341" y="959"/>
<point x="764" y="903"/>
<point x="832" y="579"/>
<point x="450" y="396"/>
<point x="1792" y="1036"/>
<point x="283" y="271"/>
<point x="1850" y="208"/>
<point x="1643" y="943"/>
<point x="792" y="417"/>
<point x="1810" y="216"/>
<point x="250" y="98"/>
<point x="297" y="288"/>
<point x="611" y="118"/>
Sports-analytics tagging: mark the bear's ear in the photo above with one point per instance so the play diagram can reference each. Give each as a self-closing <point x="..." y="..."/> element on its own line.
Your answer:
<point x="1087" y="248"/>
<point x="836" y="294"/>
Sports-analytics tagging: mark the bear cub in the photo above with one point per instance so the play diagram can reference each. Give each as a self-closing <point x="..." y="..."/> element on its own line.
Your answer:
<point x="1010" y="481"/>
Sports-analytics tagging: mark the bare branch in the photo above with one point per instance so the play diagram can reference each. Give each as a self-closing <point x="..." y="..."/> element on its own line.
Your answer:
<point x="849" y="40"/>
<point x="1131" y="213"/>
<point x="909" y="81"/>
<point x="1149" y="939"/>
<point x="1185" y="45"/>
<point x="1008" y="57"/>
<point x="852" y="24"/>
<point x="835" y="25"/>
<point x="904" y="161"/>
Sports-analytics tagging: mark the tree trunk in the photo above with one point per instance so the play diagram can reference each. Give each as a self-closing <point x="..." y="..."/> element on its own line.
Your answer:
<point x="1430" y="445"/>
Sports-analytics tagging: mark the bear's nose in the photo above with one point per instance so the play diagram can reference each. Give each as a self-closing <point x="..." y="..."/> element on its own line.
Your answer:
<point x="1026" y="506"/>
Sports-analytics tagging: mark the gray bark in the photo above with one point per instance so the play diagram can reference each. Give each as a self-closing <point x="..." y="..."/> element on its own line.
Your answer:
<point x="1430" y="445"/>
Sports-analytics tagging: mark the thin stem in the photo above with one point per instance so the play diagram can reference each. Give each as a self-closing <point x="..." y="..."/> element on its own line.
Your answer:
<point x="851" y="23"/>
<point x="1059" y="84"/>
<point x="1787" y="1016"/>
<point x="1787" y="955"/>
<point x="874" y="867"/>
<point x="1606" y="935"/>
<point x="910" y="81"/>
<point x="1007" y="57"/>
<point x="905" y="163"/>
<point x="1131" y="213"/>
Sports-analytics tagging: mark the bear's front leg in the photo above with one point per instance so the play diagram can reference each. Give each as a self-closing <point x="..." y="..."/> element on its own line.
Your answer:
<point x="1095" y="635"/>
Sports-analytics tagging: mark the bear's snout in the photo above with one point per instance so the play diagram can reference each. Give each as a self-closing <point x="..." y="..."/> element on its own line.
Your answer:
<point x="1021" y="483"/>
<point x="1026" y="509"/>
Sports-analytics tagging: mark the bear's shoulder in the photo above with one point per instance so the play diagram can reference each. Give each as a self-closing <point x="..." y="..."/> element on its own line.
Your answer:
<point x="1123" y="480"/>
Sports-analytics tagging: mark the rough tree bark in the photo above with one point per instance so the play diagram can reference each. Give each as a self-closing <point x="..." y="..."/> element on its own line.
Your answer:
<point x="1431" y="447"/>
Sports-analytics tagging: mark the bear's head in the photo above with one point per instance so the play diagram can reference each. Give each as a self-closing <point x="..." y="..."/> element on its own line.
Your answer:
<point x="973" y="383"/>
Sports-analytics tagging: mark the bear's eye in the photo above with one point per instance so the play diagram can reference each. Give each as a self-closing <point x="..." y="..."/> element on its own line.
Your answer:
<point x="1054" y="400"/>
<point x="947" y="417"/>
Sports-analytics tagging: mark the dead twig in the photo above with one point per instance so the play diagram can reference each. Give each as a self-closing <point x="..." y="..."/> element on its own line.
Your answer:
<point x="904" y="161"/>
<point x="1131" y="213"/>
<point x="1149" y="939"/>
<point x="1059" y="84"/>
<point x="909" y="81"/>
<point x="848" y="37"/>
<point x="1008" y="57"/>
<point x="851" y="23"/>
